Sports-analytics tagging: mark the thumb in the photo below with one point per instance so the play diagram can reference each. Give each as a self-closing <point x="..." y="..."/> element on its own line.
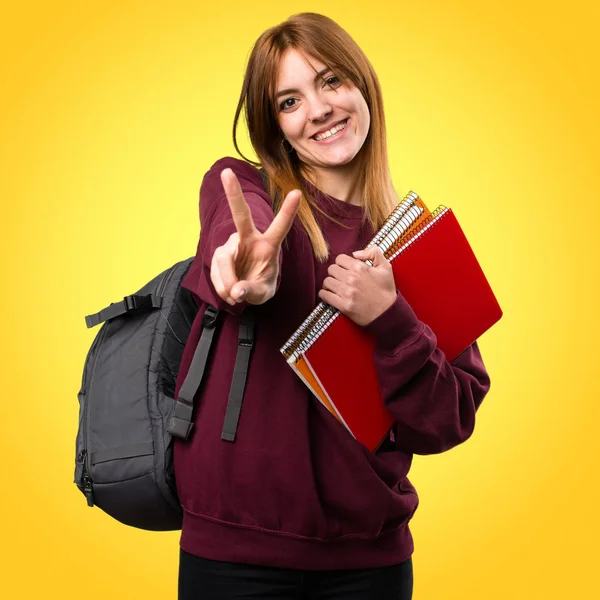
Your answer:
<point x="239" y="291"/>
<point x="252" y="292"/>
<point x="374" y="254"/>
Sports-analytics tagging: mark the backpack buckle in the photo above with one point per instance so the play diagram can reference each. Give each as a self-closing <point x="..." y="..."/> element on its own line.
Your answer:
<point x="180" y="428"/>
<point x="210" y="316"/>
<point x="135" y="301"/>
<point x="180" y="423"/>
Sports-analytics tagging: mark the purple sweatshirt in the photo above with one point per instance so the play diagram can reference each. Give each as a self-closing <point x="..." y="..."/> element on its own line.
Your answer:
<point x="295" y="489"/>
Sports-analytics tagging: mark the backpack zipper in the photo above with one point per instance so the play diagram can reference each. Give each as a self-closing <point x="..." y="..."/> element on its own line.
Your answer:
<point x="85" y="481"/>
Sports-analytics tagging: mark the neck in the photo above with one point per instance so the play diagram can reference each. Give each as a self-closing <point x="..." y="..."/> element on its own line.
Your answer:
<point x="337" y="182"/>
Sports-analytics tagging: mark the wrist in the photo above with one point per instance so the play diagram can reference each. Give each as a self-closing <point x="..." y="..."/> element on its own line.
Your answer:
<point x="396" y="326"/>
<point x="383" y="306"/>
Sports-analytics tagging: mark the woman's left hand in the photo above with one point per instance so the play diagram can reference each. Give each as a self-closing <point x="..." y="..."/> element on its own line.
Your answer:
<point x="357" y="290"/>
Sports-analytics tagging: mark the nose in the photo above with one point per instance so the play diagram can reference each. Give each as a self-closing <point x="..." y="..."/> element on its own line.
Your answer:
<point x="318" y="109"/>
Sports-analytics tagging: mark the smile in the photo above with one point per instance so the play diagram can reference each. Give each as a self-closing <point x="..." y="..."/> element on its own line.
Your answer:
<point x="331" y="133"/>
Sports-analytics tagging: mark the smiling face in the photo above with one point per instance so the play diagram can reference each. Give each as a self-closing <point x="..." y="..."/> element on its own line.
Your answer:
<point x="339" y="114"/>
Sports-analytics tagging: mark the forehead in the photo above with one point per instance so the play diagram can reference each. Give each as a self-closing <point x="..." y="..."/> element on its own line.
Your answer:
<point x="295" y="66"/>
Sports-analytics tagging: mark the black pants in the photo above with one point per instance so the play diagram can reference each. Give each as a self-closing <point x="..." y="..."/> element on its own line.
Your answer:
<point x="202" y="579"/>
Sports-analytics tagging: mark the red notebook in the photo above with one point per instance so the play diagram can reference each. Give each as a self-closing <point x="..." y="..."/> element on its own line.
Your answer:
<point x="438" y="274"/>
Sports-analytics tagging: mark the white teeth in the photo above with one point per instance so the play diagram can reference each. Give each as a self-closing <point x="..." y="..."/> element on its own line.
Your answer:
<point x="332" y="131"/>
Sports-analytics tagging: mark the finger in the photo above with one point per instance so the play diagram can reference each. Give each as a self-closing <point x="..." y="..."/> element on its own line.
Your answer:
<point x="331" y="299"/>
<point x="239" y="291"/>
<point x="346" y="262"/>
<point x="373" y="254"/>
<point x="378" y="257"/>
<point x="334" y="285"/>
<point x="283" y="220"/>
<point x="366" y="254"/>
<point x="240" y="211"/>
<point x="253" y="292"/>
<point x="217" y="282"/>
<point x="338" y="272"/>
<point x="224" y="260"/>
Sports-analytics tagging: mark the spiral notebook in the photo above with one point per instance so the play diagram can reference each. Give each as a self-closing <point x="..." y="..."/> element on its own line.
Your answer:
<point x="437" y="272"/>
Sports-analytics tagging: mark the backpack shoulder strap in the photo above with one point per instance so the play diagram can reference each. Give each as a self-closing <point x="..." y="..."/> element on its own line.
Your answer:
<point x="240" y="373"/>
<point x="180" y="422"/>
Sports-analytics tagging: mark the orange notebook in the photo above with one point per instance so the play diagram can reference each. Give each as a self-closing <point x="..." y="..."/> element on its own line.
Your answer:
<point x="438" y="274"/>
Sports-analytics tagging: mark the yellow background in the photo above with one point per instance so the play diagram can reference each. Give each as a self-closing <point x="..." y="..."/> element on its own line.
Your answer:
<point x="111" y="113"/>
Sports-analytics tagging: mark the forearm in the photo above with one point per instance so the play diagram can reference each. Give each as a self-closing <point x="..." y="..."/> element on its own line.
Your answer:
<point x="434" y="401"/>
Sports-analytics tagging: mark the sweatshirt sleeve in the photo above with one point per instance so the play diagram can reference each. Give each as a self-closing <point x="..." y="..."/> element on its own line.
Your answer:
<point x="216" y="225"/>
<point x="433" y="401"/>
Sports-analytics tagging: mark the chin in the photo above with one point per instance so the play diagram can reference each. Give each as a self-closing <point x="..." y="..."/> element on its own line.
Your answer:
<point x="335" y="160"/>
<point x="339" y="161"/>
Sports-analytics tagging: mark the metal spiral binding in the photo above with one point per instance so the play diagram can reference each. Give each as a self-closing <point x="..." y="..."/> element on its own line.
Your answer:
<point x="297" y="337"/>
<point x="393" y="219"/>
<point x="313" y="334"/>
<point x="401" y="218"/>
<point x="399" y="229"/>
<point x="404" y="242"/>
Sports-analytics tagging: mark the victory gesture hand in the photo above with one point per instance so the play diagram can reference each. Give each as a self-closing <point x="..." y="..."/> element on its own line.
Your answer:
<point x="246" y="267"/>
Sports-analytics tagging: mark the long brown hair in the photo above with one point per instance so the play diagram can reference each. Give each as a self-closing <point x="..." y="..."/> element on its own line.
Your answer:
<point x="322" y="38"/>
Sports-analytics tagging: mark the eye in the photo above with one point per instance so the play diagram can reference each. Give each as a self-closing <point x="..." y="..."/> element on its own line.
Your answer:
<point x="285" y="104"/>
<point x="333" y="81"/>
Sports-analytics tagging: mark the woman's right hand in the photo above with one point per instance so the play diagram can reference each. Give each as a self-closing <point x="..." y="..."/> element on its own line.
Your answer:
<point x="246" y="267"/>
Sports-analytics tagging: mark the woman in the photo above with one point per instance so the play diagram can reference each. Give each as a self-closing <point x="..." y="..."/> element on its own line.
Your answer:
<point x="295" y="507"/>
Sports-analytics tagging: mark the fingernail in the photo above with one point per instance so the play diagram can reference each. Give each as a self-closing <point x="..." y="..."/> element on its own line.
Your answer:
<point x="243" y="292"/>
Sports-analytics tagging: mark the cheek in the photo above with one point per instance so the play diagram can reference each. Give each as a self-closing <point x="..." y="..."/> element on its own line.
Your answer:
<point x="367" y="121"/>
<point x="365" y="115"/>
<point x="291" y="125"/>
<point x="362" y="110"/>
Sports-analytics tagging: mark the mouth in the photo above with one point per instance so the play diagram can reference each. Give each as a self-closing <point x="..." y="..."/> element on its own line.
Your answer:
<point x="332" y="133"/>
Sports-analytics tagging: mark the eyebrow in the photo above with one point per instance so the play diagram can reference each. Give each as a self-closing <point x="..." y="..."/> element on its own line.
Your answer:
<point x="294" y="90"/>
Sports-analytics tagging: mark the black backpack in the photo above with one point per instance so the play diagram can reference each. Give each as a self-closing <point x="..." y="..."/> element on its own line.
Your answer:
<point x="127" y="412"/>
<point x="128" y="415"/>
